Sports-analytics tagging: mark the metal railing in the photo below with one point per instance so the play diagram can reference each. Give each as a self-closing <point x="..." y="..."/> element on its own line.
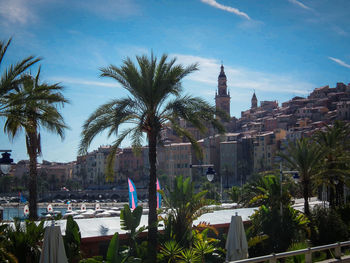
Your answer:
<point x="272" y="258"/>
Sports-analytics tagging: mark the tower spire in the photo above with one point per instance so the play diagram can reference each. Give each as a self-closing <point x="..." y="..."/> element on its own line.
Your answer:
<point x="222" y="98"/>
<point x="254" y="101"/>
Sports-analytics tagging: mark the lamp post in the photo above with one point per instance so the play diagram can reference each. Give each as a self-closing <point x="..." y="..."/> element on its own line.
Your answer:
<point x="295" y="177"/>
<point x="5" y="161"/>
<point x="210" y="173"/>
<point x="210" y="176"/>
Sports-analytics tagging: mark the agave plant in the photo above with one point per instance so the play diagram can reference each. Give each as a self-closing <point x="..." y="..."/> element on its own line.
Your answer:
<point x="189" y="255"/>
<point x="204" y="245"/>
<point x="171" y="251"/>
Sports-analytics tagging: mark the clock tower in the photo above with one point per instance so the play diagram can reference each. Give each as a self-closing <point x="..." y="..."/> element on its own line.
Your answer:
<point x="222" y="97"/>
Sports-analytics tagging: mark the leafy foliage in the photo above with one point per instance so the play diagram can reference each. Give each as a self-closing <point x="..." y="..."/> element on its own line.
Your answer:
<point x="130" y="220"/>
<point x="234" y="193"/>
<point x="184" y="206"/>
<point x="11" y="77"/>
<point x="155" y="100"/>
<point x="25" y="240"/>
<point x="334" y="170"/>
<point x="32" y="106"/>
<point x="171" y="251"/>
<point x="328" y="227"/>
<point x="5" y="255"/>
<point x="72" y="240"/>
<point x="298" y="258"/>
<point x="268" y="192"/>
<point x="304" y="156"/>
<point x="113" y="250"/>
<point x="275" y="232"/>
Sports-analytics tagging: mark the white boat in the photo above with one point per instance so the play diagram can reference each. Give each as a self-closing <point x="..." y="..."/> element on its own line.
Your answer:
<point x="82" y="209"/>
<point x="69" y="207"/>
<point x="113" y="212"/>
<point x="104" y="214"/>
<point x="49" y="208"/>
<point x="72" y="213"/>
<point x="26" y="210"/>
<point x="88" y="213"/>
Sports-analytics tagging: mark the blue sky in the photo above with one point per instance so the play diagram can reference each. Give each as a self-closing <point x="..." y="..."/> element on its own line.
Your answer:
<point x="280" y="49"/>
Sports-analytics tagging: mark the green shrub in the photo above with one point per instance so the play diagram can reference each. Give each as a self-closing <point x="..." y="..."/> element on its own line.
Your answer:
<point x="270" y="232"/>
<point x="328" y="227"/>
<point x="97" y="259"/>
<point x="25" y="240"/>
<point x="72" y="240"/>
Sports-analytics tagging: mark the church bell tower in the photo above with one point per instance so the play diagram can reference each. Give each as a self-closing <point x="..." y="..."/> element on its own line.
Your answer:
<point x="222" y="97"/>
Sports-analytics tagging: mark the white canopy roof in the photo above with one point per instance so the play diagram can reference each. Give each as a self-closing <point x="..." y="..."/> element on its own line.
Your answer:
<point x="92" y="227"/>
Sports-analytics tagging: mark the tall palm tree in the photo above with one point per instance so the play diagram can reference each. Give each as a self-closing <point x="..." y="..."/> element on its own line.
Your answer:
<point x="304" y="156"/>
<point x="10" y="77"/>
<point x="39" y="109"/>
<point x="334" y="142"/>
<point x="155" y="99"/>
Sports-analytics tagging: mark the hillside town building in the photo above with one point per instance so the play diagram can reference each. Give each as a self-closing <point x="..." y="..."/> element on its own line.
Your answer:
<point x="249" y="145"/>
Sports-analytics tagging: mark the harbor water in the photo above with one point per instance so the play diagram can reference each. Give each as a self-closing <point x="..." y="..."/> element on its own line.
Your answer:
<point x="11" y="212"/>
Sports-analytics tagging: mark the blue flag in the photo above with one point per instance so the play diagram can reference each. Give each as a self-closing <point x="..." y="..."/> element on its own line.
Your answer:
<point x="159" y="196"/>
<point x="22" y="199"/>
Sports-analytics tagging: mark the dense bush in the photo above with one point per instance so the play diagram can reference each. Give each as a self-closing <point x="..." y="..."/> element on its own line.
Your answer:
<point x="270" y="232"/>
<point x="72" y="240"/>
<point x="328" y="227"/>
<point x="24" y="240"/>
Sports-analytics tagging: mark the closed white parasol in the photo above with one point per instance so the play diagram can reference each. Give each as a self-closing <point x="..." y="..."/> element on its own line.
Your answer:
<point x="236" y="243"/>
<point x="53" y="248"/>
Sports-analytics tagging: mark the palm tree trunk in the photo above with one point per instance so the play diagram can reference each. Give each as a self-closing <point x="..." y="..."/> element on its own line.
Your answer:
<point x="152" y="198"/>
<point x="339" y="190"/>
<point x="331" y="197"/>
<point x="32" y="152"/>
<point x="306" y="198"/>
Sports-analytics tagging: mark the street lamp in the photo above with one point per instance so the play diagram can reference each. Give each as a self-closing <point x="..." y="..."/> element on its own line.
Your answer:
<point x="210" y="173"/>
<point x="210" y="176"/>
<point x="295" y="177"/>
<point x="5" y="161"/>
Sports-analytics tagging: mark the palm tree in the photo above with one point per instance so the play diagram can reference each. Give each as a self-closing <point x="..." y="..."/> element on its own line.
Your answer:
<point x="155" y="99"/>
<point x="10" y="77"/>
<point x="39" y="109"/>
<point x="184" y="206"/>
<point x="268" y="193"/>
<point x="304" y="156"/>
<point x="334" y="142"/>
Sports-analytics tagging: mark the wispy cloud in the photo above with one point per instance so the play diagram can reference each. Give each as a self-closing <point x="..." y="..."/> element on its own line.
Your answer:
<point x="226" y="8"/>
<point x="16" y="12"/>
<point x="81" y="81"/>
<point x="340" y="62"/>
<point x="243" y="80"/>
<point x="340" y="31"/>
<point x="300" y="4"/>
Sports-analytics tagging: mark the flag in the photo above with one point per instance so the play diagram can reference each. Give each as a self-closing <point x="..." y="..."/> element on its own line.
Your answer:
<point x="132" y="194"/>
<point x="22" y="199"/>
<point x="159" y="196"/>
